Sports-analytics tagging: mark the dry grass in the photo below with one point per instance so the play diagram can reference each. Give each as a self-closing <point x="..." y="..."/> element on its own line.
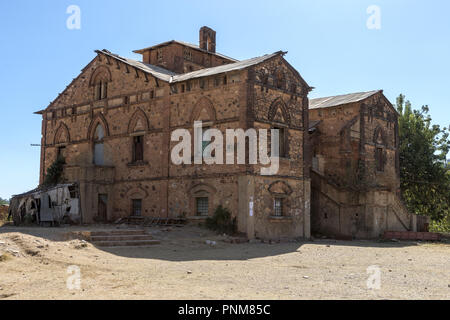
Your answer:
<point x="5" y="257"/>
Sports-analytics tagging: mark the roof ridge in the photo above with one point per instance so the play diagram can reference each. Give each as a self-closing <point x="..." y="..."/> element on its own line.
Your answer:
<point x="223" y="68"/>
<point x="346" y="94"/>
<point x="194" y="46"/>
<point x="338" y="100"/>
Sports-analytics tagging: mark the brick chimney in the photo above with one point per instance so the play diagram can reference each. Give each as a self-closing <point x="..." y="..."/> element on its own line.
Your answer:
<point x="208" y="39"/>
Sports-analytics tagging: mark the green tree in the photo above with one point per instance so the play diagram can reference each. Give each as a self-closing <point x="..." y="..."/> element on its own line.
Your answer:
<point x="54" y="172"/>
<point x="425" y="177"/>
<point x="3" y="201"/>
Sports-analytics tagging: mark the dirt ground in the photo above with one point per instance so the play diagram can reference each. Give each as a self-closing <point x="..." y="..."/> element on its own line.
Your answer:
<point x="34" y="264"/>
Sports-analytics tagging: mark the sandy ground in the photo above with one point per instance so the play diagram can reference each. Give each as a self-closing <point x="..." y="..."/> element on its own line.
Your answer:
<point x="183" y="266"/>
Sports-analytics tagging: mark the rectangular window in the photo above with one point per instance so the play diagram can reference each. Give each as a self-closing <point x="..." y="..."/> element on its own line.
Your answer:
<point x="379" y="159"/>
<point x="205" y="143"/>
<point x="98" y="154"/>
<point x="282" y="142"/>
<point x="278" y="207"/>
<point x="104" y="92"/>
<point x="138" y="148"/>
<point x="61" y="152"/>
<point x="137" y="208"/>
<point x="202" y="207"/>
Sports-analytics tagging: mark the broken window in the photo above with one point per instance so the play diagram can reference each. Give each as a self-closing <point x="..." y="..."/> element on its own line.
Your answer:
<point x="98" y="145"/>
<point x="202" y="206"/>
<point x="137" y="208"/>
<point x="138" y="148"/>
<point x="187" y="54"/>
<point x="205" y="142"/>
<point x="278" y="207"/>
<point x="159" y="55"/>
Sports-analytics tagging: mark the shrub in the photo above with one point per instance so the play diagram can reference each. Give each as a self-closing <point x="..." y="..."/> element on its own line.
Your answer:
<point x="442" y="226"/>
<point x="222" y="222"/>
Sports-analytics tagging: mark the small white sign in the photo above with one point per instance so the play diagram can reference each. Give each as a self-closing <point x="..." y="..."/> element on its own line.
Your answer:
<point x="250" y="206"/>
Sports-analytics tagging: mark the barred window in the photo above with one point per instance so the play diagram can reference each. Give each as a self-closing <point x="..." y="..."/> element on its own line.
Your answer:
<point x="137" y="208"/>
<point x="278" y="207"/>
<point x="202" y="206"/>
<point x="379" y="159"/>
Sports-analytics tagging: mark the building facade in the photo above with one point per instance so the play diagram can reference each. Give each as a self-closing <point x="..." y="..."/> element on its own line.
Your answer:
<point x="113" y="125"/>
<point x="356" y="171"/>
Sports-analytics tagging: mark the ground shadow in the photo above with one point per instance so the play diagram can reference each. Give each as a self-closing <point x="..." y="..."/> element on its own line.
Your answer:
<point x="189" y="244"/>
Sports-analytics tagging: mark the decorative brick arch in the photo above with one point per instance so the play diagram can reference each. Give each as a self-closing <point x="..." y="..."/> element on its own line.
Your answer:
<point x="139" y="117"/>
<point x="278" y="104"/>
<point x="98" y="119"/>
<point x="203" y="104"/>
<point x="280" y="188"/>
<point x="201" y="188"/>
<point x="102" y="73"/>
<point x="137" y="193"/>
<point x="62" y="134"/>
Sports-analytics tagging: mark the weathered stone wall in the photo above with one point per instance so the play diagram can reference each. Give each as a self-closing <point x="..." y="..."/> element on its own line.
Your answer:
<point x="182" y="59"/>
<point x="138" y="105"/>
<point x="351" y="198"/>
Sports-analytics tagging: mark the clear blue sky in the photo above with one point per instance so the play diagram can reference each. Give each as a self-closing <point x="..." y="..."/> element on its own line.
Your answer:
<point x="328" y="42"/>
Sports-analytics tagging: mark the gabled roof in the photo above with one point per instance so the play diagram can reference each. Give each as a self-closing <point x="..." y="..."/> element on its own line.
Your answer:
<point x="172" y="77"/>
<point x="190" y="45"/>
<point x="157" y="72"/>
<point x="223" y="68"/>
<point x="334" y="101"/>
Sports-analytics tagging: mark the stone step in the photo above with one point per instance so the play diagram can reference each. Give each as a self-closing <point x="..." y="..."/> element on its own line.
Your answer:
<point x="121" y="237"/>
<point x="128" y="243"/>
<point x="117" y="233"/>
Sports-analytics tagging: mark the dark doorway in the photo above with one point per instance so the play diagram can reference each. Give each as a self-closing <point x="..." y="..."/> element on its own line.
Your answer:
<point x="102" y="207"/>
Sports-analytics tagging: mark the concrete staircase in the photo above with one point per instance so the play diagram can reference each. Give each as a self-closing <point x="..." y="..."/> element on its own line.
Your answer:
<point x="122" y="238"/>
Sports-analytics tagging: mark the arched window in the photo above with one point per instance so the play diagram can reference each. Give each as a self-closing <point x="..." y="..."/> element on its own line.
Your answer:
<point x="98" y="145"/>
<point x="101" y="89"/>
<point x="99" y="82"/>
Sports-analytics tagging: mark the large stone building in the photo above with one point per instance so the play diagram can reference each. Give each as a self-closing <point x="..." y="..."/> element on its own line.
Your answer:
<point x="113" y="125"/>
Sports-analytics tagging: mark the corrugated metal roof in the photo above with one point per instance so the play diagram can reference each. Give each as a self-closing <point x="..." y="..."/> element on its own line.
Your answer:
<point x="340" y="100"/>
<point x="172" y="77"/>
<point x="224" y="68"/>
<point x="158" y="72"/>
<point x="193" y="46"/>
